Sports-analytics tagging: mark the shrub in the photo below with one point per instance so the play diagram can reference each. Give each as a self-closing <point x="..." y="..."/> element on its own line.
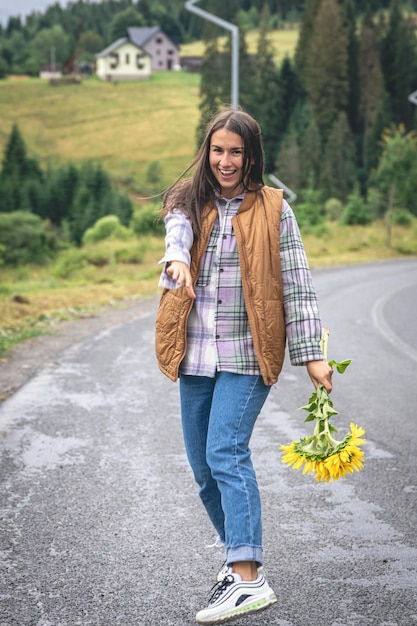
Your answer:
<point x="356" y="211"/>
<point x="333" y="209"/>
<point x="25" y="238"/>
<point x="154" y="173"/>
<point x="147" y="221"/>
<point x="402" y="217"/>
<point x="3" y="69"/>
<point x="309" y="211"/>
<point x="105" y="227"/>
<point x="132" y="255"/>
<point x="71" y="261"/>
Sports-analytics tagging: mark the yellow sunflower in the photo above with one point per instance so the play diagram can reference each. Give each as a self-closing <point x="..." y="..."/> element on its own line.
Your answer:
<point x="321" y="454"/>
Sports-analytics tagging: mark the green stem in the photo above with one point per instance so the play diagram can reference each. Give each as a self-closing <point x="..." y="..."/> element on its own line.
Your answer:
<point x="324" y="342"/>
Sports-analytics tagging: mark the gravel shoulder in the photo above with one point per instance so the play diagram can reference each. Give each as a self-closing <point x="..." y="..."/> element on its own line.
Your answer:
<point x="27" y="359"/>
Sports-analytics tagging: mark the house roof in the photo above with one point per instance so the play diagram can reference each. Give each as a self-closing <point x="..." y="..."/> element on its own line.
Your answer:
<point x="113" y="46"/>
<point x="141" y="35"/>
<point x="116" y="44"/>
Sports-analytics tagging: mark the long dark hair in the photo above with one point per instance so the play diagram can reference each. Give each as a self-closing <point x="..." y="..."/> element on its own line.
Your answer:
<point x="192" y="194"/>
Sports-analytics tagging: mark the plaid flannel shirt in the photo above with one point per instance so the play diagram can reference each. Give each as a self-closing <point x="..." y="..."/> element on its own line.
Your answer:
<point x="218" y="332"/>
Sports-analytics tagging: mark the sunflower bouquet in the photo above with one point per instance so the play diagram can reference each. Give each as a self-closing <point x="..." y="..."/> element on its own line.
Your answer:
<point x="321" y="454"/>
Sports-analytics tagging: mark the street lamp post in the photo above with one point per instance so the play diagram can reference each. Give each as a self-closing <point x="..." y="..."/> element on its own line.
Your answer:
<point x="235" y="46"/>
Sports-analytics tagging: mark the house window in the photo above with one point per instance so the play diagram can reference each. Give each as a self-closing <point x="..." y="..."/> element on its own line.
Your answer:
<point x="159" y="40"/>
<point x="127" y="58"/>
<point x="170" y="52"/>
<point x="114" y="60"/>
<point x="140" y="61"/>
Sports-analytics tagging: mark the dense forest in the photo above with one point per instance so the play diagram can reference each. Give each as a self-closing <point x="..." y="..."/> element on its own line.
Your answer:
<point x="83" y="28"/>
<point x="337" y="122"/>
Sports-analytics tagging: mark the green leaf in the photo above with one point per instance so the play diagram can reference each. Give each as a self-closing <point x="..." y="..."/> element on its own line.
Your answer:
<point x="341" y="366"/>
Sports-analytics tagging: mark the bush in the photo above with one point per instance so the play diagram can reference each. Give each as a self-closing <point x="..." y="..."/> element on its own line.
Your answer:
<point x="402" y="217"/>
<point x="25" y="238"/>
<point x="105" y="227"/>
<point x="356" y="211"/>
<point x="377" y="202"/>
<point x="3" y="69"/>
<point x="71" y="261"/>
<point x="132" y="255"/>
<point x="333" y="209"/>
<point x="154" y="173"/>
<point x="148" y="221"/>
<point x="309" y="211"/>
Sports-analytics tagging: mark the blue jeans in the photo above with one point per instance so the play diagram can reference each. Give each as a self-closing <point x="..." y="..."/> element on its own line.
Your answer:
<point x="218" y="416"/>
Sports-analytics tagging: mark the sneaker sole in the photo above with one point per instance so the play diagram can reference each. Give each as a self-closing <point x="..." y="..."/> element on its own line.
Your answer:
<point x="261" y="604"/>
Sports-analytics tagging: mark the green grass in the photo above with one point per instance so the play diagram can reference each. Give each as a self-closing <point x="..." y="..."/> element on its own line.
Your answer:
<point x="125" y="126"/>
<point x="283" y="44"/>
<point x="79" y="281"/>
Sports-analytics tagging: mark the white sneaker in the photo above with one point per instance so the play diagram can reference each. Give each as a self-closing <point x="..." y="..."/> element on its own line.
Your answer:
<point x="225" y="570"/>
<point x="234" y="597"/>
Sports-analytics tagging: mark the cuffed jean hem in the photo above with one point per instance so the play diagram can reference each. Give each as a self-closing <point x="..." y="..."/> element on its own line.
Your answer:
<point x="244" y="553"/>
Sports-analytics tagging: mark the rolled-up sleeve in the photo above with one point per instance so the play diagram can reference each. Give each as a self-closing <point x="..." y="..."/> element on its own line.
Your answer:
<point x="302" y="318"/>
<point x="178" y="243"/>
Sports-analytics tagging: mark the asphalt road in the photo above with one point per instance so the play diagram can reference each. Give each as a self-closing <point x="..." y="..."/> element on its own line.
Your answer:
<point x="100" y="520"/>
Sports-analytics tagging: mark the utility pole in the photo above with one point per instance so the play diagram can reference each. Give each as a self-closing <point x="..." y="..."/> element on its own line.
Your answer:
<point x="189" y="5"/>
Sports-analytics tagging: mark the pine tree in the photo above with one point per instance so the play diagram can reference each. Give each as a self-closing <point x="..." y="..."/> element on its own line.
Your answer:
<point x="399" y="65"/>
<point x="326" y="78"/>
<point x="310" y="156"/>
<point x="287" y="166"/>
<point x="306" y="30"/>
<point x="266" y="98"/>
<point x="15" y="160"/>
<point x="17" y="170"/>
<point x="371" y="86"/>
<point x="212" y="88"/>
<point x="349" y="21"/>
<point x="338" y="175"/>
<point x="292" y="95"/>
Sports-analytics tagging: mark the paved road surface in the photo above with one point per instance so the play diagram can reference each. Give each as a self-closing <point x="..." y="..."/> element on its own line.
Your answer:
<point x="100" y="520"/>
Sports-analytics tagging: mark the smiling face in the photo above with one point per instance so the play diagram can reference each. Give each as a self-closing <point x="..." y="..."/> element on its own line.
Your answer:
<point x="226" y="161"/>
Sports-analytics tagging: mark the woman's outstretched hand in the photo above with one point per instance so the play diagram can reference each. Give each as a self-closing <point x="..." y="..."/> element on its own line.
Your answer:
<point x="180" y="272"/>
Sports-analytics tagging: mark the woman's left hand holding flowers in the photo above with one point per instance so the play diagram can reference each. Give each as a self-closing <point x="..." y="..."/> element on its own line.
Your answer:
<point x="320" y="373"/>
<point x="322" y="454"/>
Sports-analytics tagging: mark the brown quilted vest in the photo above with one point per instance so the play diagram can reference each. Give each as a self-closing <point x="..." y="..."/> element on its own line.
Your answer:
<point x="257" y="231"/>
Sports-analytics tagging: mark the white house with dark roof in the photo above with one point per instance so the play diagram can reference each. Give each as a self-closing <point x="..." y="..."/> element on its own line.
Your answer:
<point x="123" y="60"/>
<point x="135" y="56"/>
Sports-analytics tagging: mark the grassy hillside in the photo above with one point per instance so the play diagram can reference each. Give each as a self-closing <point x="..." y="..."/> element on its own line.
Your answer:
<point x="125" y="125"/>
<point x="283" y="43"/>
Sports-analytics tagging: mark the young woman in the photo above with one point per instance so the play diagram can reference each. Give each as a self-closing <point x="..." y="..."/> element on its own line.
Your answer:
<point x="237" y="289"/>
